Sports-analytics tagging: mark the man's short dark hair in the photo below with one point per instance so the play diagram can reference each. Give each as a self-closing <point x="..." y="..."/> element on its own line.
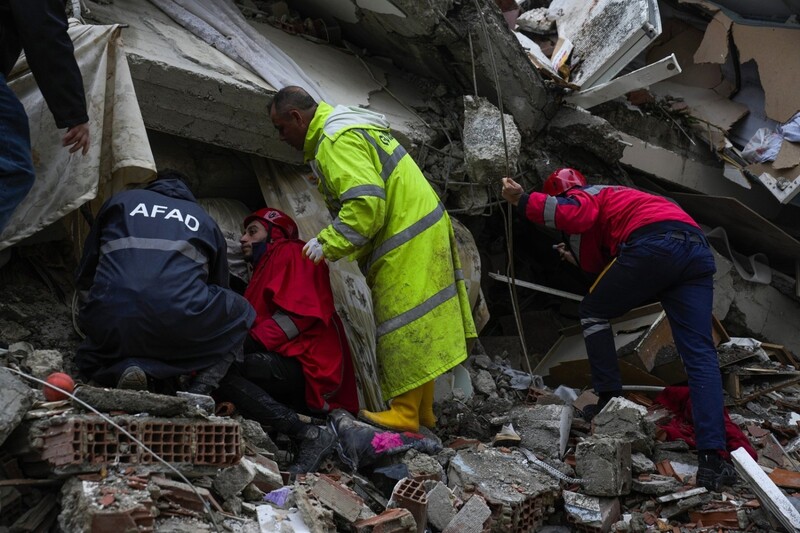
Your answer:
<point x="172" y="174"/>
<point x="292" y="97"/>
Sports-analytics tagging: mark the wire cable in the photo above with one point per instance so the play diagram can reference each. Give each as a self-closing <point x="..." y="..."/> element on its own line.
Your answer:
<point x="509" y="213"/>
<point x="122" y="430"/>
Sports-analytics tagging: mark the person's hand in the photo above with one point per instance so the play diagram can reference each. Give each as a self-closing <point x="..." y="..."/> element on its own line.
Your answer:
<point x="313" y="251"/>
<point x="564" y="254"/>
<point x="77" y="138"/>
<point x="511" y="191"/>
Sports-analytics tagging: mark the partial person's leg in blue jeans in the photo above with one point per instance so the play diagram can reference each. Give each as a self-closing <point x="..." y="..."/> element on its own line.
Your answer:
<point x="688" y="305"/>
<point x="636" y="276"/>
<point x="16" y="166"/>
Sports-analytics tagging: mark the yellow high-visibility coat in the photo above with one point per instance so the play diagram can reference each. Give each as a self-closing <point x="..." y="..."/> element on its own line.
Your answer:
<point x="389" y="219"/>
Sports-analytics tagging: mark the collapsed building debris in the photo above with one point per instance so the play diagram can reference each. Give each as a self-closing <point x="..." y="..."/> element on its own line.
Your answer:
<point x="620" y="472"/>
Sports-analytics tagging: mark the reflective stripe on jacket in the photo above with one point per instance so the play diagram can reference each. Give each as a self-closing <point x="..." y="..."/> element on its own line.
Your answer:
<point x="389" y="218"/>
<point x="603" y="216"/>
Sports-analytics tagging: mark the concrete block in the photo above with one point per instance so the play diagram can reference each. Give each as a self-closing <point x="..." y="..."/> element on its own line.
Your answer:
<point x="441" y="506"/>
<point x="422" y="466"/>
<point x="584" y="511"/>
<point x="268" y="475"/>
<point x="626" y="420"/>
<point x="16" y="398"/>
<point x="605" y="464"/>
<point x="520" y="497"/>
<point x="343" y="501"/>
<point x="484" y="383"/>
<point x="44" y="362"/>
<point x="472" y="517"/>
<point x="484" y="151"/>
<point x="389" y="521"/>
<point x="641" y="464"/>
<point x="544" y="429"/>
<point x="410" y="494"/>
<point x="134" y="402"/>
<point x="230" y="481"/>
<point x="579" y="128"/>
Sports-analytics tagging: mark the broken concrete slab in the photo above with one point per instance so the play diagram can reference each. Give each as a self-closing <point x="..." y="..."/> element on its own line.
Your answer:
<point x="441" y="506"/>
<point x="578" y="128"/>
<point x="641" y="464"/>
<point x="89" y="506"/>
<point x="606" y="37"/>
<point x="625" y="420"/>
<point x="422" y="466"/>
<point x="16" y="398"/>
<point x="134" y="402"/>
<point x="605" y="465"/>
<point x="507" y="483"/>
<point x="188" y="88"/>
<point x="485" y="140"/>
<point x="230" y="481"/>
<point x="655" y="484"/>
<point x="44" y="362"/>
<point x="598" y="514"/>
<point x="544" y="429"/>
<point x="484" y="383"/>
<point x="471" y="518"/>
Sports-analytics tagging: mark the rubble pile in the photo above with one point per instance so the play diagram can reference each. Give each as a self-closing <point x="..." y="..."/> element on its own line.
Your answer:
<point x="509" y="454"/>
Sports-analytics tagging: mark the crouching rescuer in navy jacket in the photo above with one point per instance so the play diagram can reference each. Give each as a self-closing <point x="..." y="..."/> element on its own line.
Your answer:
<point x="642" y="247"/>
<point x="155" y="298"/>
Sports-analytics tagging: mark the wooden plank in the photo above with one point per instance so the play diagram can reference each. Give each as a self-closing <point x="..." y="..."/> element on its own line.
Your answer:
<point x="643" y="77"/>
<point x="765" y="489"/>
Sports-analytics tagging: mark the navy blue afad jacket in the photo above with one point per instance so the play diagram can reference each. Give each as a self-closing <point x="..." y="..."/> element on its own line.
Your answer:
<point x="156" y="272"/>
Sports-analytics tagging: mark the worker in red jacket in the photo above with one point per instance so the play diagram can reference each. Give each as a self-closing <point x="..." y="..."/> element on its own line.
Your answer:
<point x="296" y="357"/>
<point x="641" y="247"/>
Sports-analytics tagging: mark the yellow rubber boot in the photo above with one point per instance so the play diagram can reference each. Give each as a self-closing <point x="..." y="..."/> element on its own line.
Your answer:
<point x="426" y="416"/>
<point x="402" y="415"/>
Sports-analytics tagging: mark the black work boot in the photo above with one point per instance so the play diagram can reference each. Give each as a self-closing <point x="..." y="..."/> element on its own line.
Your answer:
<point x="714" y="472"/>
<point x="133" y="378"/>
<point x="315" y="444"/>
<point x="591" y="410"/>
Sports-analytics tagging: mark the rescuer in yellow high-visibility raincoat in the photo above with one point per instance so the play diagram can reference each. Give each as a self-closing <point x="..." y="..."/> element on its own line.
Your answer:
<point x="389" y="219"/>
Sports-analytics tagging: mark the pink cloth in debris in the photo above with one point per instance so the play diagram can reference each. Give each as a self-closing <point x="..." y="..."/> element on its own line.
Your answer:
<point x="383" y="442"/>
<point x="680" y="427"/>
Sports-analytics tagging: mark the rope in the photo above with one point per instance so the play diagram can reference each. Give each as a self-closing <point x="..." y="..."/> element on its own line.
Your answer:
<point x="122" y="430"/>
<point x="512" y="287"/>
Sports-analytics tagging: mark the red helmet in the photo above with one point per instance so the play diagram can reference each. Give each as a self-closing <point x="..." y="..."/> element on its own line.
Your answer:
<point x="562" y="180"/>
<point x="270" y="218"/>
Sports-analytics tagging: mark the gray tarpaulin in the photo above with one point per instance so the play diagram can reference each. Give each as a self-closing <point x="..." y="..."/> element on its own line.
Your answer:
<point x="221" y="24"/>
<point x="119" y="153"/>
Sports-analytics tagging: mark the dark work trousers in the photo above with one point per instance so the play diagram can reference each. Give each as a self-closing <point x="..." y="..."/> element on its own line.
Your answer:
<point x="16" y="165"/>
<point x="677" y="268"/>
<point x="268" y="388"/>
